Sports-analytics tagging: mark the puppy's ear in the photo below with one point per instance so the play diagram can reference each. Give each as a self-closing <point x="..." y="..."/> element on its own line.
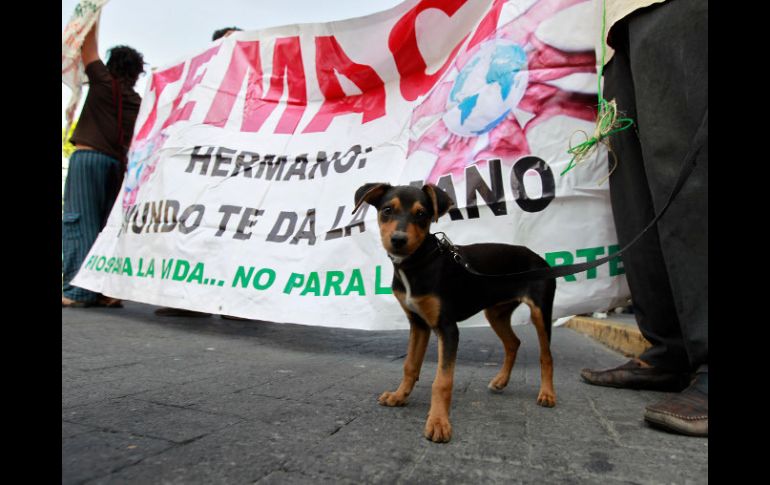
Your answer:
<point x="371" y="193"/>
<point x="440" y="200"/>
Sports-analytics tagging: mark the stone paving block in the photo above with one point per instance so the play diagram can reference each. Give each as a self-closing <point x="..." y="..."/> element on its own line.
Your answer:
<point x="306" y="419"/>
<point x="297" y="478"/>
<point x="98" y="453"/>
<point x="435" y="470"/>
<point x="379" y="376"/>
<point x="487" y="406"/>
<point x="485" y="443"/>
<point x="87" y="392"/>
<point x="617" y="404"/>
<point x="368" y="450"/>
<point x="571" y="420"/>
<point x="298" y="384"/>
<point x="69" y="430"/>
<point x="148" y="419"/>
<point x="197" y="391"/>
<point x="639" y="434"/>
<point x="94" y="361"/>
<point x="601" y="461"/>
<point x="169" y="370"/>
<point x="246" y="404"/>
<point x="240" y="453"/>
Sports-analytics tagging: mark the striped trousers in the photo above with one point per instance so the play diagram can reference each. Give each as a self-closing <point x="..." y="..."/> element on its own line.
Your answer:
<point x="92" y="184"/>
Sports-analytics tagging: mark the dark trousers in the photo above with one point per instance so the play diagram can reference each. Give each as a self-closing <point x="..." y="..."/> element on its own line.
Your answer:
<point x="659" y="78"/>
<point x="93" y="182"/>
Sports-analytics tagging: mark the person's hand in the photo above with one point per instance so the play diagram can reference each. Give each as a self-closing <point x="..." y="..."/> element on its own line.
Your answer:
<point x="89" y="51"/>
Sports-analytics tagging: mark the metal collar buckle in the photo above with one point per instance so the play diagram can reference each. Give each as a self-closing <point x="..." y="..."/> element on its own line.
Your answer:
<point x="445" y="244"/>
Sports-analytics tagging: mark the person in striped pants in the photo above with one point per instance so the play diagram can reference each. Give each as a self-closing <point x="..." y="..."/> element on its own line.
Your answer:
<point x="96" y="168"/>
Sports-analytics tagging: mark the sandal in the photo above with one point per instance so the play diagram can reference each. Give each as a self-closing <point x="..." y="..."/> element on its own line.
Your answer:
<point x="67" y="303"/>
<point x="108" y="302"/>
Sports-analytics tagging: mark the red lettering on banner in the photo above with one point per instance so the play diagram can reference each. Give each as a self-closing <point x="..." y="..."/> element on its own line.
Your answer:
<point x="183" y="113"/>
<point x="245" y="59"/>
<point x="288" y="69"/>
<point x="329" y="58"/>
<point x="403" y="44"/>
<point x="160" y="80"/>
<point x="287" y="64"/>
<point x="488" y="24"/>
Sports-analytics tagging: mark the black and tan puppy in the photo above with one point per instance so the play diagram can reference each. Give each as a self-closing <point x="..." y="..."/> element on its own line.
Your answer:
<point x="436" y="292"/>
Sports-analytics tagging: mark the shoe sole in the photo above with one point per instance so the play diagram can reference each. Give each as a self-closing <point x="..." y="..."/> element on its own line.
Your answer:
<point x="676" y="425"/>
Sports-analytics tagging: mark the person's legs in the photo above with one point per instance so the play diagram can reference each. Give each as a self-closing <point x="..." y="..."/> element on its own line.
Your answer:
<point x="89" y="193"/>
<point x="669" y="61"/>
<point x="644" y="265"/>
<point x="663" y="63"/>
<point x="668" y="47"/>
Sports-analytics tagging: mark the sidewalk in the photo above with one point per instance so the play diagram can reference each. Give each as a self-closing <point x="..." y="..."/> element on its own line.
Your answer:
<point x="151" y="400"/>
<point x="617" y="331"/>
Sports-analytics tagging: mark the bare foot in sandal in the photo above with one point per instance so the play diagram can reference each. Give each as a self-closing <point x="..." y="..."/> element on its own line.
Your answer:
<point x="108" y="302"/>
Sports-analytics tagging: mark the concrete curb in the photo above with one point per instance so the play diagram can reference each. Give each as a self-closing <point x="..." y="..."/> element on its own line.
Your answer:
<point x="622" y="337"/>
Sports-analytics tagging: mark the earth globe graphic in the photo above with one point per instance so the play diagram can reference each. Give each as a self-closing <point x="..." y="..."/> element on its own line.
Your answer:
<point x="487" y="88"/>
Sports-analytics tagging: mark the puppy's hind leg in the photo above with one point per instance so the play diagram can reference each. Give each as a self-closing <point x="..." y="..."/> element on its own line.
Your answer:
<point x="499" y="317"/>
<point x="541" y="318"/>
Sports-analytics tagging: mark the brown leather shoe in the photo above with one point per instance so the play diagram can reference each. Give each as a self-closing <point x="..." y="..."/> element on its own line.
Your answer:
<point x="636" y="374"/>
<point x="683" y="413"/>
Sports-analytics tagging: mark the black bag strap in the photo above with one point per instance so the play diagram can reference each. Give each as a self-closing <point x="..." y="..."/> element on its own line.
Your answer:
<point x="117" y="98"/>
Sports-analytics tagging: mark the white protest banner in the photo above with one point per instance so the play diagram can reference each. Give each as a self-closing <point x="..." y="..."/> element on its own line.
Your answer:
<point x="246" y="157"/>
<point x="73" y="74"/>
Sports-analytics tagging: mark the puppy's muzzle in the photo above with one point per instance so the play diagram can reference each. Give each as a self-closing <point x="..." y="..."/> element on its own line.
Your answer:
<point x="398" y="240"/>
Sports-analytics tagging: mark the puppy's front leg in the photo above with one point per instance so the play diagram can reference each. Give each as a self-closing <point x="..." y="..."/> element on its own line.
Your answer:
<point x="419" y="334"/>
<point x="437" y="428"/>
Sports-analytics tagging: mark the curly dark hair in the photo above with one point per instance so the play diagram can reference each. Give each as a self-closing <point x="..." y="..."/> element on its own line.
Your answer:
<point x="221" y="32"/>
<point x="125" y="63"/>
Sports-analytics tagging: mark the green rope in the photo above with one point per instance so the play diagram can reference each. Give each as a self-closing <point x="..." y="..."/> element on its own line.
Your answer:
<point x="607" y="122"/>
